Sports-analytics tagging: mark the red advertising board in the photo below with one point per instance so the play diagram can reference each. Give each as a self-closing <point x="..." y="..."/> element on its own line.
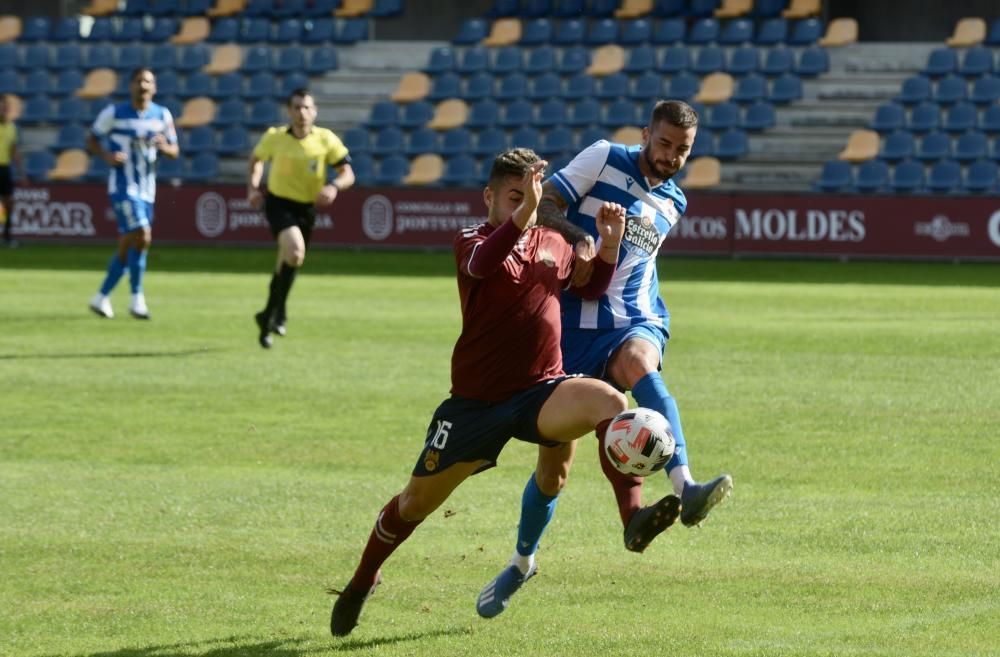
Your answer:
<point x="959" y="228"/>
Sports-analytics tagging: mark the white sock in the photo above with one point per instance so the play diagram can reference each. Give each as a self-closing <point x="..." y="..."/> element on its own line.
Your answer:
<point x="523" y="563"/>
<point x="678" y="477"/>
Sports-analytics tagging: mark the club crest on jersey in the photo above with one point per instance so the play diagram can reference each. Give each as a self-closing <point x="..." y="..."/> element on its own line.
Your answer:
<point x="641" y="236"/>
<point x="431" y="460"/>
<point x="545" y="256"/>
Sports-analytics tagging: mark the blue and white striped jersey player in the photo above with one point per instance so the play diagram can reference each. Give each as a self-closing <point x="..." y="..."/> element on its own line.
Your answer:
<point x="621" y="336"/>
<point x="130" y="136"/>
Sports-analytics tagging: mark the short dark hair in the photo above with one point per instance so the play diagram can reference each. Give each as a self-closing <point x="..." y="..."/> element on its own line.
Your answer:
<point x="675" y="112"/>
<point x="136" y="72"/>
<point x="513" y="162"/>
<point x="301" y="91"/>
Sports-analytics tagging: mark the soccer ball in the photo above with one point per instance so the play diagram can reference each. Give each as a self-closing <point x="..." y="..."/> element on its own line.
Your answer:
<point x="639" y="442"/>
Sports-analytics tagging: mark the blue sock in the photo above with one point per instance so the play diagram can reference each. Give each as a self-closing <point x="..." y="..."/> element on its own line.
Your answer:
<point x="136" y="269"/>
<point x="651" y="392"/>
<point x="115" y="270"/>
<point x="537" y="509"/>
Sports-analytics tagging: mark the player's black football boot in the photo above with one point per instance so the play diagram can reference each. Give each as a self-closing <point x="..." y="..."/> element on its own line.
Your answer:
<point x="347" y="608"/>
<point x="264" y="326"/>
<point x="650" y="521"/>
<point x="698" y="499"/>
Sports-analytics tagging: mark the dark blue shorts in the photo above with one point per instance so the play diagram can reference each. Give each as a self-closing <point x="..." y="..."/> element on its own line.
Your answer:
<point x="465" y="430"/>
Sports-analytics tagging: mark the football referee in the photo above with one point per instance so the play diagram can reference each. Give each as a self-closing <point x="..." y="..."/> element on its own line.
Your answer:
<point x="299" y="154"/>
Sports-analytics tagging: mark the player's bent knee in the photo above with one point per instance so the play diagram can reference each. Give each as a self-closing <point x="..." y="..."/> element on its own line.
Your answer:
<point x="413" y="506"/>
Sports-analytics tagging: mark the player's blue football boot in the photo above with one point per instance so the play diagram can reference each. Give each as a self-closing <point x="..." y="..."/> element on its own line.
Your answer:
<point x="650" y="521"/>
<point x="495" y="596"/>
<point x="698" y="499"/>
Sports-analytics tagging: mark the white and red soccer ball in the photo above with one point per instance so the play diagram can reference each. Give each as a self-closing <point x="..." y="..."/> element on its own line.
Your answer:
<point x="639" y="442"/>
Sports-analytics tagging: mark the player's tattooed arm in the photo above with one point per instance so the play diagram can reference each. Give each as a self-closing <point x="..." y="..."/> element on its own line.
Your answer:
<point x="552" y="214"/>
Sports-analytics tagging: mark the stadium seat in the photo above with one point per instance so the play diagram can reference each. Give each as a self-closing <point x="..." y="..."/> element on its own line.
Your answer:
<point x="750" y="88"/>
<point x="129" y="59"/>
<point x="474" y="60"/>
<point x="10" y="28"/>
<point x="897" y="146"/>
<point x="950" y="89"/>
<point x="934" y="146"/>
<point x="506" y="60"/>
<point x="37" y="109"/>
<point x="489" y="142"/>
<point x="71" y="109"/>
<point x="945" y="176"/>
<point x="527" y="137"/>
<point x="961" y="117"/>
<point x="540" y="60"/>
<point x="601" y="32"/>
<point x="640" y="59"/>
<point x="981" y="177"/>
<point x="413" y="86"/>
<point x="442" y="60"/>
<point x="991" y="119"/>
<point x="484" y="113"/>
<point x="786" y="88"/>
<point x="387" y="141"/>
<point x="684" y="86"/>
<point x="768" y="8"/>
<point x="557" y="141"/>
<point x="646" y="86"/>
<point x="517" y="114"/>
<point x="478" y="86"/>
<point x="732" y="144"/>
<point x="924" y="117"/>
<point x="709" y="60"/>
<point x="256" y="59"/>
<point x="471" y="32"/>
<point x="456" y="142"/>
<point x="835" y="176"/>
<point x="230" y="112"/>
<point x="225" y="59"/>
<point x="551" y="113"/>
<point x="840" y="32"/>
<point x="613" y="86"/>
<point x="743" y="61"/>
<point x="704" y="145"/>
<point x="669" y="32"/>
<point x="446" y="85"/>
<point x="261" y="85"/>
<point x="622" y="113"/>
<point x="33" y="29"/>
<point x="286" y="9"/>
<point x="702" y="173"/>
<point x="100" y="30"/>
<point x="97" y="170"/>
<point x="170" y="169"/>
<point x="872" y="177"/>
<point x="806" y="32"/>
<point x="256" y="30"/>
<point x="715" y="88"/>
<point x="351" y="31"/>
<point x="167" y="82"/>
<point x="546" y="85"/>
<point x="915" y="89"/>
<point x="196" y="84"/>
<point x="976" y="61"/>
<point x="421" y="140"/>
<point x="861" y="145"/>
<point x="224" y="30"/>
<point x="99" y="57"/>
<point x="514" y="85"/>
<point x="263" y="114"/>
<point x="968" y="32"/>
<point x="425" y="169"/>
<point x="416" y="114"/>
<point x="536" y="32"/>
<point x="198" y="140"/>
<point x="579" y="87"/>
<point x="802" y="8"/>
<point x="812" y="61"/>
<point x="193" y="30"/>
<point x="907" y="176"/>
<point x="203" y="167"/>
<point x="449" y="114"/>
<point x="136" y="7"/>
<point x="227" y="85"/>
<point x="668" y="8"/>
<point x="635" y="32"/>
<point x="37" y="164"/>
<point x="702" y="8"/>
<point x="197" y="112"/>
<point x="600" y="8"/>
<point x="941" y="62"/>
<point x="577" y="59"/>
<point x="71" y="164"/>
<point x="317" y="31"/>
<point x="68" y="56"/>
<point x="585" y="112"/>
<point x="590" y="136"/>
<point x="34" y="57"/>
<point x="235" y="141"/>
<point x="993" y="36"/>
<point x="356" y="140"/>
<point x="985" y="90"/>
<point x="37" y="82"/>
<point x="675" y="60"/>
<point x="703" y="31"/>
<point x="321" y="60"/>
<point x="778" y="61"/>
<point x="722" y="116"/>
<point x="161" y="8"/>
<point x="759" y="116"/>
<point x="193" y="58"/>
<point x="772" y="32"/>
<point x="162" y="58"/>
<point x="258" y="8"/>
<point x="568" y="32"/>
<point x="65" y="29"/>
<point x="460" y="171"/>
<point x="8" y="57"/>
<point x="291" y="82"/>
<point x="736" y="32"/>
<point x="970" y="146"/>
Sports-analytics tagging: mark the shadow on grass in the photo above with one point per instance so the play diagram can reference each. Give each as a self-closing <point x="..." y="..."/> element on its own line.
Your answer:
<point x="361" y="644"/>
<point x="119" y="354"/>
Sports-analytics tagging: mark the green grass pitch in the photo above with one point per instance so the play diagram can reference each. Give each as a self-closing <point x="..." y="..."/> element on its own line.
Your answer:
<point x="170" y="489"/>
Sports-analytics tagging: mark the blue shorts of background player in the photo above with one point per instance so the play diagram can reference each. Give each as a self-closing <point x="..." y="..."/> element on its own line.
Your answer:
<point x="132" y="214"/>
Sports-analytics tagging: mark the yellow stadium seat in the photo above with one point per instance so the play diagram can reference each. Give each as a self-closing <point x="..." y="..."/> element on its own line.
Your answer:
<point x="197" y="111"/>
<point x="227" y="8"/>
<point x="606" y="60"/>
<point x="425" y="169"/>
<point x="734" y="8"/>
<point x="412" y="86"/>
<point x="225" y="59"/>
<point x="968" y="32"/>
<point x="634" y="8"/>
<point x="861" y="146"/>
<point x="449" y="114"/>
<point x="702" y="173"/>
<point x="194" y="29"/>
<point x="802" y="9"/>
<point x="503" y="32"/>
<point x="10" y="28"/>
<point x="69" y="165"/>
<point x="99" y="83"/>
<point x="354" y="8"/>
<point x="715" y="88"/>
<point x="100" y="8"/>
<point x="840" y="32"/>
<point x="628" y="135"/>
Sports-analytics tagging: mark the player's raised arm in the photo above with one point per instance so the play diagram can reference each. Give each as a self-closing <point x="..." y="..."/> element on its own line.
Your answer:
<point x="610" y="228"/>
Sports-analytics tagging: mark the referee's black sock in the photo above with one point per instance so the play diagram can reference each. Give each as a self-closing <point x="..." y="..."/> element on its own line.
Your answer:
<point x="286" y="276"/>
<point x="273" y="296"/>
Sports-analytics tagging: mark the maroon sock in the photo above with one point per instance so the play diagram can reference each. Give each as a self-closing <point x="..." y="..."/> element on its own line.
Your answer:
<point x="389" y="533"/>
<point x="628" y="490"/>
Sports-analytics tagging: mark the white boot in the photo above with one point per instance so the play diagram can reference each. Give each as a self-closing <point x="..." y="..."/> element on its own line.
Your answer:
<point x="101" y="305"/>
<point x="137" y="306"/>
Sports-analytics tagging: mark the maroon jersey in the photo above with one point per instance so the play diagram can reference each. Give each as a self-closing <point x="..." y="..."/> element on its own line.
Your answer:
<point x="510" y="316"/>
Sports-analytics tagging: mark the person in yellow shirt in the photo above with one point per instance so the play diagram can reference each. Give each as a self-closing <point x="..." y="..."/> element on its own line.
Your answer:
<point x="300" y="155"/>
<point x="8" y="154"/>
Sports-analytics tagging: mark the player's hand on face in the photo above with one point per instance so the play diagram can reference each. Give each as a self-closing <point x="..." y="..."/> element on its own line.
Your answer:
<point x="327" y="195"/>
<point x="584" y="267"/>
<point x="115" y="159"/>
<point x="531" y="184"/>
<point x="255" y="198"/>
<point x="611" y="222"/>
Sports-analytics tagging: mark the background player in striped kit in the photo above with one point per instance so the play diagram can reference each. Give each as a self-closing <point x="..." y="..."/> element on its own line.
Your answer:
<point x="130" y="136"/>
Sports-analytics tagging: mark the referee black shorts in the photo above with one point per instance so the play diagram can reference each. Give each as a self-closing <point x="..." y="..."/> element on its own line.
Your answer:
<point x="6" y="181"/>
<point x="283" y="213"/>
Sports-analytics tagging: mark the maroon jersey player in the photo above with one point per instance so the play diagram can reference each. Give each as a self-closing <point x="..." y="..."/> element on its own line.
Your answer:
<point x="507" y="375"/>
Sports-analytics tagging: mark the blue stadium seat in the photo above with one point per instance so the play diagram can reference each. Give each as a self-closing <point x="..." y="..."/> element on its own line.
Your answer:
<point x="255" y="30"/>
<point x="516" y="114"/>
<point x="601" y="32"/>
<point x="460" y="171"/>
<point x="527" y="137"/>
<point x="387" y="141"/>
<point x="290" y="83"/>
<point x="872" y="177"/>
<point x="812" y="61"/>
<point x="356" y="140"/>
<point x="535" y="8"/>
<point x="10" y="82"/>
<point x="38" y="163"/>
<point x="68" y="55"/>
<point x="317" y="31"/>
<point x="100" y="30"/>
<point x="196" y="84"/>
<point x="386" y="8"/>
<point x="546" y="85"/>
<point x="8" y="57"/>
<point x="421" y="140"/>
<point x="34" y="57"/>
<point x="136" y="7"/>
<point x="991" y="119"/>
<point x="37" y="82"/>
<point x="635" y="32"/>
<point x="290" y="60"/>
<point x="759" y="116"/>
<point x="264" y="113"/>
<point x="162" y="58"/>
<point x="72" y="109"/>
<point x="684" y="86"/>
<point x="950" y="89"/>
<point x="736" y="32"/>
<point x="786" y="88"/>
<point x="167" y="82"/>
<point x="940" y="62"/>
<point x="551" y="113"/>
<point x="258" y="8"/>
<point x="640" y="59"/>
<point x="203" y="167"/>
<point x="806" y="32"/>
<point x="321" y="60"/>
<point x="668" y="8"/>
<point x="471" y="32"/>
<point x="579" y="87"/>
<point x="897" y="146"/>
<point x="703" y="31"/>
<point x="320" y="8"/>
<point x="97" y="170"/>
<point x="722" y="116"/>
<point x="976" y="61"/>
<point x="889" y="117"/>
<point x="993" y="36"/>
<point x="261" y="85"/>
<point x="613" y="86"/>
<point x="743" y="61"/>
<point x="446" y="85"/>
<point x="540" y="60"/>
<point x="193" y="58"/>
<point x="985" y="90"/>
<point x="590" y="136"/>
<point x="489" y="142"/>
<point x="129" y="59"/>
<point x="99" y="57"/>
<point x="961" y="117"/>
<point x="478" y="86"/>
<point x="130" y="29"/>
<point x="514" y="85"/>
<point x="907" y="176"/>
<point x="256" y="60"/>
<point x="772" y="32"/>
<point x="200" y="139"/>
<point x="506" y="60"/>
<point x="601" y="8"/>
<point x="585" y="112"/>
<point x="33" y="29"/>
<point x="474" y="60"/>
<point x="981" y="177"/>
<point x="536" y="32"/>
<point x="352" y="30"/>
<point x="235" y="141"/>
<point x="646" y="86"/>
<point x="750" y="88"/>
<point x="778" y="61"/>
<point x="972" y="145"/>
<point x="836" y="176"/>
<point x="37" y="109"/>
<point x="768" y="8"/>
<point x="484" y="113"/>
<point x="574" y="60"/>
<point x="557" y="141"/>
<point x="622" y="113"/>
<point x="670" y="31"/>
<point x="457" y="141"/>
<point x="230" y="112"/>
<point x="709" y="60"/>
<point x="224" y="30"/>
<point x="945" y="176"/>
<point x="925" y="117"/>
<point x="568" y="32"/>
<point x="161" y="8"/>
<point x="65" y="29"/>
<point x="702" y="8"/>
<point x="442" y="60"/>
<point x="416" y="114"/>
<point x="675" y="59"/>
<point x="732" y="144"/>
<point x="915" y="89"/>
<point x="502" y="8"/>
<point x="934" y="146"/>
<point x="286" y="9"/>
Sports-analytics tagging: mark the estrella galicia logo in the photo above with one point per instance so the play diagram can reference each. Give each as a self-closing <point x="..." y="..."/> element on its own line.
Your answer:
<point x="641" y="237"/>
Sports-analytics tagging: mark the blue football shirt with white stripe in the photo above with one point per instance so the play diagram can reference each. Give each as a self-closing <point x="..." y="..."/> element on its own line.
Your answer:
<point x="127" y="130"/>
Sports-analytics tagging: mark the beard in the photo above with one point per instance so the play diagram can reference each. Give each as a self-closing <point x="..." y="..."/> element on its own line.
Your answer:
<point x="663" y="172"/>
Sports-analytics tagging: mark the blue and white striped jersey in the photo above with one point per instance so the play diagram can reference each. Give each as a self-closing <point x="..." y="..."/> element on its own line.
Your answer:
<point x="124" y="129"/>
<point x="610" y="172"/>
